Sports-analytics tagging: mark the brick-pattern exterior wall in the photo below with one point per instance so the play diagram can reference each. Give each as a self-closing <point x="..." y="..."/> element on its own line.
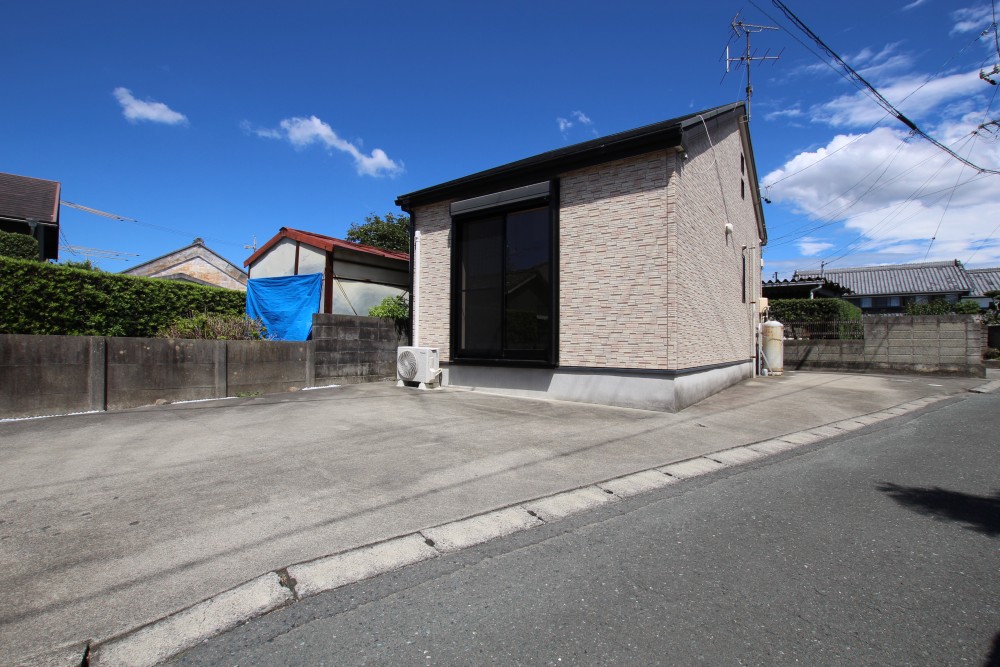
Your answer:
<point x="613" y="241"/>
<point x="434" y="224"/>
<point x="713" y="324"/>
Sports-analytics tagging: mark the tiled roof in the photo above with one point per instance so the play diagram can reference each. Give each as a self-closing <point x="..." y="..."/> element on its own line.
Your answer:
<point x="984" y="280"/>
<point x="890" y="279"/>
<point x="324" y="242"/>
<point x="24" y="198"/>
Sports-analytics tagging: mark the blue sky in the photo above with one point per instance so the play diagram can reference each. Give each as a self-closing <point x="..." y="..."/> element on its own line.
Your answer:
<point x="228" y="120"/>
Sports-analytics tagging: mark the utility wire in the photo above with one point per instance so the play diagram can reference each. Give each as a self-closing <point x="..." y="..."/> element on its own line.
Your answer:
<point x="872" y="92"/>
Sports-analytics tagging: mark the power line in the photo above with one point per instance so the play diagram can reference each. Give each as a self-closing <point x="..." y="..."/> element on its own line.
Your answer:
<point x="853" y="75"/>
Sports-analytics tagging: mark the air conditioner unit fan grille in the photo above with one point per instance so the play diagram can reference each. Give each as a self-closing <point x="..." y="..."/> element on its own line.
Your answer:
<point x="407" y="365"/>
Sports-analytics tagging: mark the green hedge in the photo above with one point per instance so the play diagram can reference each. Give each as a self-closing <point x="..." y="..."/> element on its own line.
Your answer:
<point x="19" y="246"/>
<point x="812" y="310"/>
<point x="40" y="298"/>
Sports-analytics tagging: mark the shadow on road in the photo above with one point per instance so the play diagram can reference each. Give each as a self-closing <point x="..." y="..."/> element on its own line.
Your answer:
<point x="993" y="659"/>
<point x="980" y="513"/>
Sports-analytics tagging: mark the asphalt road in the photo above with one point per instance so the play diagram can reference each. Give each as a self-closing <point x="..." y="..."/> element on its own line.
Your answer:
<point x="881" y="548"/>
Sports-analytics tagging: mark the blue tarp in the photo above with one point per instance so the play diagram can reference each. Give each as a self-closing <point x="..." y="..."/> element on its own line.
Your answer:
<point x="285" y="304"/>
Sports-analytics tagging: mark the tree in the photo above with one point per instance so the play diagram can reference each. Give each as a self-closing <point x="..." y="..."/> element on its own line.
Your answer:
<point x="391" y="232"/>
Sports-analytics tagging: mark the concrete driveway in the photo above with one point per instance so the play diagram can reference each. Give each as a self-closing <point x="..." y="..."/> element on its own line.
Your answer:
<point x="110" y="521"/>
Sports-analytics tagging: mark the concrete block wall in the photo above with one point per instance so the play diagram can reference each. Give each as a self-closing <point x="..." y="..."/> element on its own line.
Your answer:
<point x="44" y="375"/>
<point x="350" y="349"/>
<point x="934" y="344"/>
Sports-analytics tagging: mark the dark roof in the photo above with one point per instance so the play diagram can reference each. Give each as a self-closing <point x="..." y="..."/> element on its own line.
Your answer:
<point x="327" y="243"/>
<point x="545" y="166"/>
<point x="889" y="279"/>
<point x="24" y="198"/>
<point x="790" y="288"/>
<point x="984" y="280"/>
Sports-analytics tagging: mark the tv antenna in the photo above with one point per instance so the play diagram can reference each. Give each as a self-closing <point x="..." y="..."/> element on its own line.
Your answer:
<point x="742" y="30"/>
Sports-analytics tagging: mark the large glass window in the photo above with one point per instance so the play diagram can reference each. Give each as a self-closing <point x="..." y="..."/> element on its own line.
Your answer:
<point x="504" y="286"/>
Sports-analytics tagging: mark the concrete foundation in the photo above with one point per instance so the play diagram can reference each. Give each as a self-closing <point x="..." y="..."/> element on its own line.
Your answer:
<point x="617" y="387"/>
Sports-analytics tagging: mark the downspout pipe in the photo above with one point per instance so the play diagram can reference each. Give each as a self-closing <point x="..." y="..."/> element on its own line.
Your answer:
<point x="415" y="290"/>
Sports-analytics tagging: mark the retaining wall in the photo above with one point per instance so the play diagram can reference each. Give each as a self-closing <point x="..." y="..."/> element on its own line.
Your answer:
<point x="44" y="375"/>
<point x="932" y="344"/>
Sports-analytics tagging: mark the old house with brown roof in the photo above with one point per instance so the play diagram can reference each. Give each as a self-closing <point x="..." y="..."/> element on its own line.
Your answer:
<point x="195" y="263"/>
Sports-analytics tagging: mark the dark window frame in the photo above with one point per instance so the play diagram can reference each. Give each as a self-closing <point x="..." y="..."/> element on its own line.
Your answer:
<point x="549" y="199"/>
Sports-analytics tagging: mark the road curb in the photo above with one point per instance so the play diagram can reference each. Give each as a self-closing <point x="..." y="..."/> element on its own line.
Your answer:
<point x="160" y="640"/>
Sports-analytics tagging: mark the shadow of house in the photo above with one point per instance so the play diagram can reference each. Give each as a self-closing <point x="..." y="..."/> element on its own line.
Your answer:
<point x="978" y="513"/>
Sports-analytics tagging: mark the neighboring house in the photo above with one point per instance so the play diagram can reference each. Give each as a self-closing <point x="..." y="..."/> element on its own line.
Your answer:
<point x="355" y="277"/>
<point x="889" y="288"/>
<point x="31" y="206"/>
<point x="983" y="280"/>
<point x="624" y="270"/>
<point x="803" y="288"/>
<point x="195" y="263"/>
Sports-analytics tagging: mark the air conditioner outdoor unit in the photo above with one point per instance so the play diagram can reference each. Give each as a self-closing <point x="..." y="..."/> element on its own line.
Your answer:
<point x="417" y="364"/>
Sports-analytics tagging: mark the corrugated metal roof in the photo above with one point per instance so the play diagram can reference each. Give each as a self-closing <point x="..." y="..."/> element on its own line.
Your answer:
<point x="984" y="280"/>
<point x="324" y="242"/>
<point x="890" y="279"/>
<point x="24" y="198"/>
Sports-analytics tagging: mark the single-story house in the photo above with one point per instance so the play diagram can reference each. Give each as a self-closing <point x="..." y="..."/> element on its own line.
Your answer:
<point x="624" y="270"/>
<point x="355" y="277"/>
<point x="889" y="288"/>
<point x="31" y="206"/>
<point x="983" y="281"/>
<point x="195" y="263"/>
<point x="803" y="288"/>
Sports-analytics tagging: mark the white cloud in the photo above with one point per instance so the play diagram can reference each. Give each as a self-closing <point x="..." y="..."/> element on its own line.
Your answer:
<point x="859" y="110"/>
<point x="913" y="5"/>
<point x="155" y="112"/>
<point x="810" y="246"/>
<point x="971" y="19"/>
<point x="881" y="196"/>
<point x="303" y="132"/>
<point x="793" y="112"/>
<point x="579" y="118"/>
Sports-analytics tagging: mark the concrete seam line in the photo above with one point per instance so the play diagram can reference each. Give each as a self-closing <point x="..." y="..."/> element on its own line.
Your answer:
<point x="354" y="565"/>
<point x="153" y="643"/>
<point x="463" y="533"/>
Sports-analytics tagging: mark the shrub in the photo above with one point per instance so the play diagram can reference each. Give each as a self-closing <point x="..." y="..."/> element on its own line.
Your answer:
<point x="812" y="310"/>
<point x="394" y="307"/>
<point x="211" y="326"/>
<point x="18" y="246"/>
<point x="942" y="307"/>
<point x="41" y="298"/>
